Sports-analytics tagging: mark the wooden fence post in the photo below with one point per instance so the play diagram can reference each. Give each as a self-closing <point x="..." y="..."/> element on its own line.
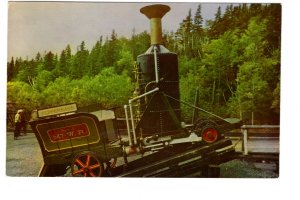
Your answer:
<point x="245" y="141"/>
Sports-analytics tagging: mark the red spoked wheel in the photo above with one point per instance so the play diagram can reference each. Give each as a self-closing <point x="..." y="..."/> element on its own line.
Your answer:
<point x="210" y="135"/>
<point x="87" y="165"/>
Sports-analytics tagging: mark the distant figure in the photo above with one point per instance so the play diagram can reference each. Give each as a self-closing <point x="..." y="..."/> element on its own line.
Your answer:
<point x="17" y="124"/>
<point x="23" y="122"/>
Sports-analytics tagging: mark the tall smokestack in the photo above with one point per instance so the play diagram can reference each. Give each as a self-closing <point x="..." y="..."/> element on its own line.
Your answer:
<point x="155" y="13"/>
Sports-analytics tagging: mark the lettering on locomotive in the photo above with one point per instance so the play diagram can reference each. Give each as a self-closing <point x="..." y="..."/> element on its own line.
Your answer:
<point x="68" y="132"/>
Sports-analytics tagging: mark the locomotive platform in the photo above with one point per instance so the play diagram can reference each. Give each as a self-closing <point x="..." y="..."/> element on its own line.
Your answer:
<point x="180" y="161"/>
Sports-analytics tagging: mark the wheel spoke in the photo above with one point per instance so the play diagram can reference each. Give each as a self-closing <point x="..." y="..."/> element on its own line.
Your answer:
<point x="92" y="174"/>
<point x="94" y="166"/>
<point x="79" y="162"/>
<point x="78" y="171"/>
<point x="88" y="160"/>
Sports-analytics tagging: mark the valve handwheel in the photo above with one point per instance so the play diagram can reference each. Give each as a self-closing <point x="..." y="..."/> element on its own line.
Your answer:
<point x="109" y="166"/>
<point x="87" y="165"/>
<point x="210" y="134"/>
<point x="112" y="163"/>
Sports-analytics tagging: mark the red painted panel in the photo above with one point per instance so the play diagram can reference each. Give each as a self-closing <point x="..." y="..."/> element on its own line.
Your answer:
<point x="68" y="132"/>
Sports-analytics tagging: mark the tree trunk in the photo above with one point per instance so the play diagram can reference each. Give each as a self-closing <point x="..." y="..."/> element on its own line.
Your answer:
<point x="213" y="93"/>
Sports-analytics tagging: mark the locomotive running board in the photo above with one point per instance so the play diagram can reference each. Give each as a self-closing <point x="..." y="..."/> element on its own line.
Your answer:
<point x="178" y="163"/>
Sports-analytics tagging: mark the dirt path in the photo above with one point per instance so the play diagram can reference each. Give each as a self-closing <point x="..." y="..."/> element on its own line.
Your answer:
<point x="23" y="156"/>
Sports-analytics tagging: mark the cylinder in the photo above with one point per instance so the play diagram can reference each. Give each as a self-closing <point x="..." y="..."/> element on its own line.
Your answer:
<point x="158" y="116"/>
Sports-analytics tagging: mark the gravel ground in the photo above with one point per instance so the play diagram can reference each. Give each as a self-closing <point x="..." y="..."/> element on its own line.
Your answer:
<point x="23" y="156"/>
<point x="242" y="169"/>
<point x="24" y="159"/>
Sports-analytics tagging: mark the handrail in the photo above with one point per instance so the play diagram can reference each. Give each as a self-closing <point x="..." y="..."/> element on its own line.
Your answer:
<point x="244" y="130"/>
<point x="260" y="126"/>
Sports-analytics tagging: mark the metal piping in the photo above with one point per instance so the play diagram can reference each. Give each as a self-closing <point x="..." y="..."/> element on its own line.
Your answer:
<point x="131" y="112"/>
<point x="145" y="90"/>
<point x="127" y="124"/>
<point x="196" y="107"/>
<point x="132" y="123"/>
<point x="145" y="94"/>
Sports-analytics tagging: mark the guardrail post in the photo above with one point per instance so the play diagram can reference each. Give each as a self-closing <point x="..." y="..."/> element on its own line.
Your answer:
<point x="245" y="141"/>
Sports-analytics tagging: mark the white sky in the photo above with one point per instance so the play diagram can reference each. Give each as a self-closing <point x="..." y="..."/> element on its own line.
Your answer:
<point x="49" y="26"/>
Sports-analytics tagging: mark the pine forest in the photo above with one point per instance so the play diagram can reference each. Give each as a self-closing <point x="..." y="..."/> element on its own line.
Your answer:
<point x="233" y="61"/>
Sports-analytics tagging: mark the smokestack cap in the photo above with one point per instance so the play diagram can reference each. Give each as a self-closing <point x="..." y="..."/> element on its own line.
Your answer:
<point x="155" y="11"/>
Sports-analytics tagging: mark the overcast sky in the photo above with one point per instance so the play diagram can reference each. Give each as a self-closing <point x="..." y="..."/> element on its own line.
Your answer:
<point x="49" y="26"/>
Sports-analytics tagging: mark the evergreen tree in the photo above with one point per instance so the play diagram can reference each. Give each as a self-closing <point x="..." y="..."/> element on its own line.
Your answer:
<point x="198" y="21"/>
<point x="139" y="43"/>
<point x="215" y="26"/>
<point x="49" y="61"/>
<point x="184" y="35"/>
<point x="112" y="50"/>
<point x="79" y="67"/>
<point x="198" y="34"/>
<point x="11" y="69"/>
<point x="38" y="57"/>
<point x="61" y="68"/>
<point x="93" y="64"/>
<point x="69" y="59"/>
<point x="273" y="16"/>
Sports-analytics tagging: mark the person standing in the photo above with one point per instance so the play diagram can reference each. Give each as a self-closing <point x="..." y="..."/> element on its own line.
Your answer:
<point x="23" y="122"/>
<point x="17" y="124"/>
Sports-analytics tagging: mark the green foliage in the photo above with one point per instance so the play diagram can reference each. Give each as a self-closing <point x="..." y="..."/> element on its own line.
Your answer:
<point x="234" y="61"/>
<point x="21" y="93"/>
<point x="240" y="74"/>
<point x="42" y="80"/>
<point x="139" y="43"/>
<point x="125" y="63"/>
<point x="106" y="88"/>
<point x="188" y="85"/>
<point x="257" y="76"/>
<point x="276" y="99"/>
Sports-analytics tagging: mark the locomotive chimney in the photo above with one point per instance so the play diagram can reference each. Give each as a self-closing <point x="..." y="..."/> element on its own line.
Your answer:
<point x="155" y="13"/>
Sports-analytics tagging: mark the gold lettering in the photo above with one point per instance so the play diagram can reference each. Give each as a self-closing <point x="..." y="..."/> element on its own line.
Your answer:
<point x="70" y="133"/>
<point x="80" y="132"/>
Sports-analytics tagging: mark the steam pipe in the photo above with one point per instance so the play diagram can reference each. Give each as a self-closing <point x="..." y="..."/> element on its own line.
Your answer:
<point x="145" y="94"/>
<point x="132" y="123"/>
<point x="127" y="124"/>
<point x="131" y="112"/>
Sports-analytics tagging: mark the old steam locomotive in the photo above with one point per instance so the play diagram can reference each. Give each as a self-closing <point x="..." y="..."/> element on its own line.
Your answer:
<point x="88" y="144"/>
